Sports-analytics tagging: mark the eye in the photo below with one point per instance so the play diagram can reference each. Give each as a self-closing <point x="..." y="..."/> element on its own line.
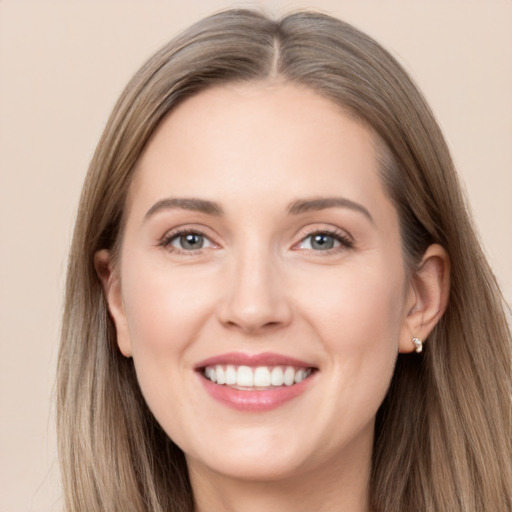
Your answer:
<point x="186" y="241"/>
<point x="325" y="241"/>
<point x="319" y="242"/>
<point x="189" y="241"/>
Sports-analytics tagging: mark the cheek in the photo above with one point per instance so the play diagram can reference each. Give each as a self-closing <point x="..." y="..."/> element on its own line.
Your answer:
<point x="165" y="309"/>
<point x="358" y="315"/>
<point x="360" y="325"/>
<point x="362" y="305"/>
<point x="165" y="312"/>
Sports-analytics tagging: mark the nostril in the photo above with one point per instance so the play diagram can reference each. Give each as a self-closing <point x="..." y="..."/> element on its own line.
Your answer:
<point x="253" y="325"/>
<point x="270" y="325"/>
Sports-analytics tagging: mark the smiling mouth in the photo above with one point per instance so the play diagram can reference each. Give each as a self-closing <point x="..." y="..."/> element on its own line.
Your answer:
<point x="255" y="378"/>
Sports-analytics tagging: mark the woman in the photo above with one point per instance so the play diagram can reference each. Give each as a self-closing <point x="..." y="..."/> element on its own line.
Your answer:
<point x="276" y="298"/>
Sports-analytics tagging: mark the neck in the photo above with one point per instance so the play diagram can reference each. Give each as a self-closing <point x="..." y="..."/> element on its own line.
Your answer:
<point x="322" y="490"/>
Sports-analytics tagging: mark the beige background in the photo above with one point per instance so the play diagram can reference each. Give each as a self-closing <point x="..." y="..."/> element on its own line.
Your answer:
<point x="62" y="65"/>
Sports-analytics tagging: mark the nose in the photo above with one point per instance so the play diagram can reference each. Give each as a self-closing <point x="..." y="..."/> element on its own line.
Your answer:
<point x="255" y="298"/>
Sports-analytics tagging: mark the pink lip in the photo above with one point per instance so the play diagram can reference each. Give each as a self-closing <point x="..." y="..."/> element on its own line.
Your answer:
<point x="263" y="359"/>
<point x="254" y="400"/>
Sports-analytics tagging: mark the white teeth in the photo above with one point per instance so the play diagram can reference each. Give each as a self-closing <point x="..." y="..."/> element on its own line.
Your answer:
<point x="289" y="376"/>
<point x="245" y="376"/>
<point x="209" y="373"/>
<point x="230" y="375"/>
<point x="299" y="376"/>
<point x="259" y="377"/>
<point x="277" y="378"/>
<point x="219" y="371"/>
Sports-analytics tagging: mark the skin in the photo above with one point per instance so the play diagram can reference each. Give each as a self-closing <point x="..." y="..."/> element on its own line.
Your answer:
<point x="258" y="285"/>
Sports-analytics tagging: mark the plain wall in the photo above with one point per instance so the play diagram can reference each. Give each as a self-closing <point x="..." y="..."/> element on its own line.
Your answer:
<point x="62" y="66"/>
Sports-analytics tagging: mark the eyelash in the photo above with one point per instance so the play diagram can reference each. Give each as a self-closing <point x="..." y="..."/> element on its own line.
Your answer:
<point x="339" y="236"/>
<point x="168" y="238"/>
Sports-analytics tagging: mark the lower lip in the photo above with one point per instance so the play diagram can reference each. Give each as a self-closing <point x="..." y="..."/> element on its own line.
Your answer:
<point x="257" y="400"/>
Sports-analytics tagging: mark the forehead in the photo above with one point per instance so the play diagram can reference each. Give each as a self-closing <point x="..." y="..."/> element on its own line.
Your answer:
<point x="256" y="138"/>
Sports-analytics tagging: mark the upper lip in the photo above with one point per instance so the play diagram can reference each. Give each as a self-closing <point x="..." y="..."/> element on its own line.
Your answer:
<point x="262" y="359"/>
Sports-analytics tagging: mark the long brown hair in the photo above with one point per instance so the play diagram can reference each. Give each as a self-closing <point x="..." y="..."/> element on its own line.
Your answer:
<point x="443" y="433"/>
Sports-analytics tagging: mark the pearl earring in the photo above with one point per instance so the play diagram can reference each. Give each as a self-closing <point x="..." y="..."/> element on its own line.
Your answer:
<point x="418" y="344"/>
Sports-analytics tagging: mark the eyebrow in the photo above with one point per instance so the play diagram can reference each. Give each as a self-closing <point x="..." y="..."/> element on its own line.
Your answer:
<point x="322" y="203"/>
<point x="295" y="208"/>
<point x="193" y="204"/>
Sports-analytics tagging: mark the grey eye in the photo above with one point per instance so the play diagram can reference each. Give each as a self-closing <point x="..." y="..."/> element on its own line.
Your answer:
<point x="320" y="242"/>
<point x="189" y="241"/>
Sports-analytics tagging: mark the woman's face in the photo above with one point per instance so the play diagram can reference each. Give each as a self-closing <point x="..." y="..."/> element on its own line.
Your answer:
<point x="262" y="252"/>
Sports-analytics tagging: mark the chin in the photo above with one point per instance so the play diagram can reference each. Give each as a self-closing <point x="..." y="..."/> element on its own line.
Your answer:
<point x="251" y="468"/>
<point x="248" y="453"/>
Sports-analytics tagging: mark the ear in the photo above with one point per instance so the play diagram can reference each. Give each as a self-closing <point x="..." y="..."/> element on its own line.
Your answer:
<point x="427" y="296"/>
<point x="109" y="277"/>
